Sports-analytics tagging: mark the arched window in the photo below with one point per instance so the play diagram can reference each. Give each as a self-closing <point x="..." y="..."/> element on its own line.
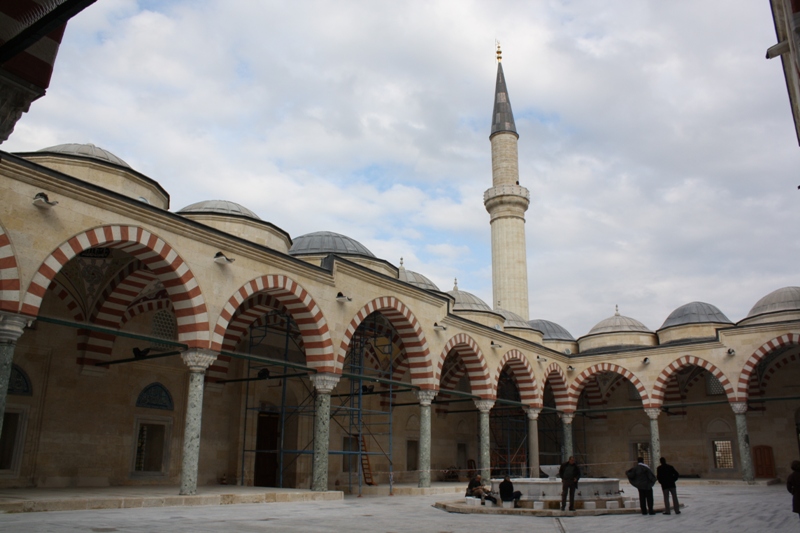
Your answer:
<point x="19" y="383"/>
<point x="155" y="396"/>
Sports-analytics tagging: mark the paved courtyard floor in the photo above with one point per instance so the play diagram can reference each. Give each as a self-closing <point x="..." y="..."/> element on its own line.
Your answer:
<point x="709" y="508"/>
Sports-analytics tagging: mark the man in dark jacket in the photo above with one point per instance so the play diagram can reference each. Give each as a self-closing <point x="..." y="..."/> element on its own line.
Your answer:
<point x="643" y="479"/>
<point x="667" y="476"/>
<point x="476" y="489"/>
<point x="507" y="492"/>
<point x="569" y="474"/>
<point x="793" y="486"/>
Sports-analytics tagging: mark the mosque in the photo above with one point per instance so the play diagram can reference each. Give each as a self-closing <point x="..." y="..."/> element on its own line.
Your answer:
<point x="201" y="346"/>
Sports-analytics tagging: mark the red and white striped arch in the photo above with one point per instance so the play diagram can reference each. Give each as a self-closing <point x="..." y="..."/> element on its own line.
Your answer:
<point x="577" y="385"/>
<point x="480" y="379"/>
<point x="298" y="303"/>
<point x="774" y="367"/>
<point x="409" y="332"/>
<point x="555" y="376"/>
<point x="660" y="386"/>
<point x="75" y="309"/>
<point x="155" y="254"/>
<point x="523" y="374"/>
<point x="9" y="275"/>
<point x="778" y="343"/>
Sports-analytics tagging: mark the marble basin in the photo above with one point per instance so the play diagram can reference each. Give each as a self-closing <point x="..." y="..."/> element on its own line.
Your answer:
<point x="550" y="470"/>
<point x="589" y="489"/>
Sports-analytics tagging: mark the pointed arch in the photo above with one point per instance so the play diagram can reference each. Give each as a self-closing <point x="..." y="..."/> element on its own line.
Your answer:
<point x="409" y="331"/>
<point x="299" y="304"/>
<point x="150" y="249"/>
<point x="466" y="348"/>
<point x="789" y="339"/>
<point x="660" y="386"/>
<point x="9" y="274"/>
<point x="577" y="385"/>
<point x="555" y="376"/>
<point x="523" y="373"/>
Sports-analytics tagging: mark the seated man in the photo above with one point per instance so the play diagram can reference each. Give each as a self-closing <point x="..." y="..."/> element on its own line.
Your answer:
<point x="507" y="492"/>
<point x="477" y="490"/>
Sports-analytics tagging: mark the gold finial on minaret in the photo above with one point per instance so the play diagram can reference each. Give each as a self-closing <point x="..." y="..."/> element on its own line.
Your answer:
<point x="499" y="52"/>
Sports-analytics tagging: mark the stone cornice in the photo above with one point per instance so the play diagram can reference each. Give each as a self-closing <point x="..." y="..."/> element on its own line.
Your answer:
<point x="12" y="327"/>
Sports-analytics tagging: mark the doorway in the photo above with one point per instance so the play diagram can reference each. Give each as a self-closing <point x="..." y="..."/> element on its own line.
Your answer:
<point x="763" y="461"/>
<point x="267" y="437"/>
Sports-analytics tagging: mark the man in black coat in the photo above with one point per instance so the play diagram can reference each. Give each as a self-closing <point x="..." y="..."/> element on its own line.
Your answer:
<point x="667" y="476"/>
<point x="507" y="492"/>
<point x="643" y="479"/>
<point x="569" y="473"/>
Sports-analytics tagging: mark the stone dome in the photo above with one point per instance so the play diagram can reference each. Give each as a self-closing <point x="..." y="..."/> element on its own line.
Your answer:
<point x="222" y="207"/>
<point x="414" y="278"/>
<point x="695" y="313"/>
<point x="466" y="301"/>
<point x="785" y="299"/>
<point x="550" y="330"/>
<point x="327" y="242"/>
<point x="86" y="150"/>
<point x="618" y="323"/>
<point x="513" y="320"/>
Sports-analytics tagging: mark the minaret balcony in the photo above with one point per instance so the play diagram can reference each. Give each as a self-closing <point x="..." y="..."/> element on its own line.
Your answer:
<point x="507" y="190"/>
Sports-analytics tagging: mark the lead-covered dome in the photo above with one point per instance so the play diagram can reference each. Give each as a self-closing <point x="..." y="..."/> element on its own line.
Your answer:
<point x="513" y="320"/>
<point x="86" y="150"/>
<point x="327" y="242"/>
<point x="550" y="330"/>
<point x="618" y="323"/>
<point x="695" y="313"/>
<point x="465" y="301"/>
<point x="222" y="207"/>
<point x="785" y="299"/>
<point x="415" y="278"/>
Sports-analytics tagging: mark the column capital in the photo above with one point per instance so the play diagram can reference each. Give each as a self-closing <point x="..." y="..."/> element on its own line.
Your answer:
<point x="198" y="359"/>
<point x="324" y="382"/>
<point x="566" y="417"/>
<point x="533" y="413"/>
<point x="425" y="397"/>
<point x="652" y="412"/>
<point x="484" y="406"/>
<point x="12" y="326"/>
<point x="739" y="408"/>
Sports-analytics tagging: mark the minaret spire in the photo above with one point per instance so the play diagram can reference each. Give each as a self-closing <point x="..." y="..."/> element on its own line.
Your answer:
<point x="506" y="203"/>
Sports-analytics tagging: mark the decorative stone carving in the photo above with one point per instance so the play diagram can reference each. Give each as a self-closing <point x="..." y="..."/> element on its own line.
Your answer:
<point x="12" y="326"/>
<point x="533" y="413"/>
<point x="198" y="359"/>
<point x="15" y="99"/>
<point x="739" y="408"/>
<point x="566" y="418"/>
<point x="652" y="412"/>
<point x="484" y="406"/>
<point x="324" y="382"/>
<point x="425" y="397"/>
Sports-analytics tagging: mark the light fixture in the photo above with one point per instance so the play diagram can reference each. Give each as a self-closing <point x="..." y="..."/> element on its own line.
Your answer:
<point x="646" y="361"/>
<point x="342" y="298"/>
<point x="439" y="327"/>
<point x="495" y="345"/>
<point x="570" y="368"/>
<point x="731" y="351"/>
<point x="541" y="359"/>
<point x="222" y="259"/>
<point x="42" y="201"/>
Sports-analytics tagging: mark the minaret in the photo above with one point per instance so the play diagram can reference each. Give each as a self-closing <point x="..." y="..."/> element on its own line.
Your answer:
<point x="506" y="203"/>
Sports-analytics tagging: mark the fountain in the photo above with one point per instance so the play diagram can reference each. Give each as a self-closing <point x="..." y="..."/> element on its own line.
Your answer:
<point x="598" y="490"/>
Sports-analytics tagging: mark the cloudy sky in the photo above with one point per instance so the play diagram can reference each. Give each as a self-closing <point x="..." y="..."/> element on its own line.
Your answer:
<point x="655" y="139"/>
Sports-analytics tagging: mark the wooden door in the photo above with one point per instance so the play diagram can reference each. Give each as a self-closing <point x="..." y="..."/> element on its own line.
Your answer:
<point x="763" y="461"/>
<point x="265" y="472"/>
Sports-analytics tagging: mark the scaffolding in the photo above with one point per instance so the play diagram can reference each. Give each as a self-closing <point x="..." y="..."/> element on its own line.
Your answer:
<point x="368" y="430"/>
<point x="509" y="432"/>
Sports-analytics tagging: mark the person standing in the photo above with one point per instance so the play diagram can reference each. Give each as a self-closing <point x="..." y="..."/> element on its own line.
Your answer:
<point x="793" y="486"/>
<point x="507" y="492"/>
<point x="667" y="476"/>
<point x="643" y="479"/>
<point x="569" y="473"/>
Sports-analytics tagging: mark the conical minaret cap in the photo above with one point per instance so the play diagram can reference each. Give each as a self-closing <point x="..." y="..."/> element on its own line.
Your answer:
<point x="502" y="117"/>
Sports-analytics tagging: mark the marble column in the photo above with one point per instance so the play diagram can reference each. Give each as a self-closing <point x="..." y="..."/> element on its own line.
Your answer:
<point x="566" y="424"/>
<point x="739" y="410"/>
<point x="533" y="440"/>
<point x="484" y="406"/>
<point x="425" y="398"/>
<point x="11" y="329"/>
<point x="198" y="360"/>
<point x="655" y="439"/>
<point x="323" y="383"/>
